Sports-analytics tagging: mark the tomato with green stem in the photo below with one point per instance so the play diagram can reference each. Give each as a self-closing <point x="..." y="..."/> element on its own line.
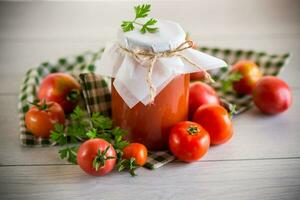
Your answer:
<point x="42" y="116"/>
<point x="250" y="74"/>
<point x="137" y="151"/>
<point x="61" y="88"/>
<point x="96" y="157"/>
<point x="188" y="141"/>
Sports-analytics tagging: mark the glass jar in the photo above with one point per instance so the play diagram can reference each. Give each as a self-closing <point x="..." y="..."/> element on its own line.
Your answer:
<point x="151" y="124"/>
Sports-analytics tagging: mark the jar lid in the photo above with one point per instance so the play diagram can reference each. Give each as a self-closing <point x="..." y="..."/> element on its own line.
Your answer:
<point x="136" y="77"/>
<point x="169" y="36"/>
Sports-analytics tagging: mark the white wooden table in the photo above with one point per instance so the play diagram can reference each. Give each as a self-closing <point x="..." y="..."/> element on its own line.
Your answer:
<point x="262" y="161"/>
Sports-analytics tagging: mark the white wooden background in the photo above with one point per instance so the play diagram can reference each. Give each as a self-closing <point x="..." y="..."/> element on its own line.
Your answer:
<point x="262" y="161"/>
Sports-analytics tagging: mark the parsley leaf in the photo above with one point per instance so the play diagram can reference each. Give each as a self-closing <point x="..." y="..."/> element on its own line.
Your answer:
<point x="92" y="133"/>
<point x="58" y="134"/>
<point x="77" y="114"/>
<point x="141" y="11"/>
<point x="70" y="153"/>
<point x="127" y="26"/>
<point x="146" y="27"/>
<point x="104" y="135"/>
<point x="119" y="142"/>
<point x="76" y="132"/>
<point x="150" y="22"/>
<point x="229" y="80"/>
<point x="119" y="132"/>
<point x="100" y="121"/>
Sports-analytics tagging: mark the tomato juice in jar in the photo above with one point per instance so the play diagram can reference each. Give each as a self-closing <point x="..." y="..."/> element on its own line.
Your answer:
<point x="150" y="80"/>
<point x="150" y="124"/>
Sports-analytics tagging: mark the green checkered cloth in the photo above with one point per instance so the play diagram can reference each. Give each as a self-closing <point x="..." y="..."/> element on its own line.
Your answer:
<point x="96" y="92"/>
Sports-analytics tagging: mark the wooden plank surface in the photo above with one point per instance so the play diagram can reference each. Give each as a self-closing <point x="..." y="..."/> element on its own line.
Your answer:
<point x="261" y="161"/>
<point x="260" y="179"/>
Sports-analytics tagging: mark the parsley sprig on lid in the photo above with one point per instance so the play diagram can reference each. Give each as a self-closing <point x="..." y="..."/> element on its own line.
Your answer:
<point x="141" y="11"/>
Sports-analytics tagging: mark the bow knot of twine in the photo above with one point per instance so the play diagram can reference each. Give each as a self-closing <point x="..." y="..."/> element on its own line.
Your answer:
<point x="142" y="56"/>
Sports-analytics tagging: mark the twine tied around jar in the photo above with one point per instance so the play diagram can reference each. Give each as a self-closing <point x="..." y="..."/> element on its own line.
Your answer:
<point x="142" y="56"/>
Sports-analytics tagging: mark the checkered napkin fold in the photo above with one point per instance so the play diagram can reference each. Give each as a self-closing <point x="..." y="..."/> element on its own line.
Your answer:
<point x="96" y="92"/>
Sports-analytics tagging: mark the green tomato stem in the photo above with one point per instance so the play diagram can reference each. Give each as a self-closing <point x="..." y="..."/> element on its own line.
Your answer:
<point x="100" y="159"/>
<point x="193" y="130"/>
<point x="73" y="95"/>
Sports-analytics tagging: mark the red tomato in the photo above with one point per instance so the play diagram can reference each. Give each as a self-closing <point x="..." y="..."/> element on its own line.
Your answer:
<point x="61" y="88"/>
<point x="197" y="76"/>
<point x="40" y="118"/>
<point x="96" y="157"/>
<point x="272" y="95"/>
<point x="200" y="94"/>
<point x="188" y="141"/>
<point x="216" y="121"/>
<point x="250" y="75"/>
<point x="137" y="151"/>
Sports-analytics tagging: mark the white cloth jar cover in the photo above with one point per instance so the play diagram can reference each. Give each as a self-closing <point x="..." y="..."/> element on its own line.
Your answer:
<point x="130" y="75"/>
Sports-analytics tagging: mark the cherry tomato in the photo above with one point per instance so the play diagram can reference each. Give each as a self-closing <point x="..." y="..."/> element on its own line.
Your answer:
<point x="96" y="157"/>
<point x="250" y="75"/>
<point x="188" y="141"/>
<point x="40" y="118"/>
<point x="216" y="121"/>
<point x="137" y="151"/>
<point x="272" y="95"/>
<point x="61" y="88"/>
<point x="200" y="94"/>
